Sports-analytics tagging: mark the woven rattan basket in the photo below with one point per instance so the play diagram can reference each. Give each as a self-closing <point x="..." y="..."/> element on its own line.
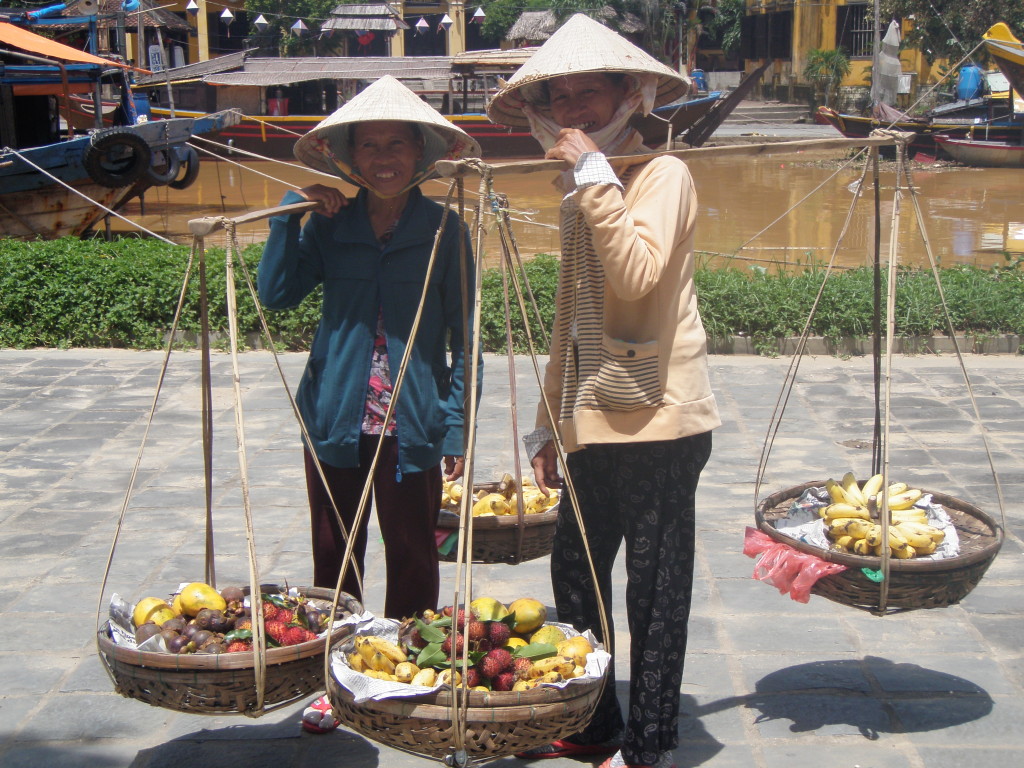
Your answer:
<point x="913" y="583"/>
<point x="215" y="684"/>
<point x="496" y="539"/>
<point x="497" y="723"/>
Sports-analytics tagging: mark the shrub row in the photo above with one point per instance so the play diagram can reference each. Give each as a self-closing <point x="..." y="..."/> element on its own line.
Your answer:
<point x="72" y="293"/>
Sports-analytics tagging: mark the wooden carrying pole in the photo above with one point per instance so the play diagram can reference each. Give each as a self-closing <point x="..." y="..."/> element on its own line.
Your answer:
<point x="455" y="168"/>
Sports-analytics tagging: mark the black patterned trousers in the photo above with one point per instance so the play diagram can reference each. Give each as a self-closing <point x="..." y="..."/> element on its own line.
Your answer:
<point x="643" y="494"/>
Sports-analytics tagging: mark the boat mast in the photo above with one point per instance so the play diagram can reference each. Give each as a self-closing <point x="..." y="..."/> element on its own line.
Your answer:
<point x="875" y="56"/>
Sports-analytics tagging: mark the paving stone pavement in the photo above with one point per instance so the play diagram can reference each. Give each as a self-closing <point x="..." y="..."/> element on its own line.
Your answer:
<point x="769" y="683"/>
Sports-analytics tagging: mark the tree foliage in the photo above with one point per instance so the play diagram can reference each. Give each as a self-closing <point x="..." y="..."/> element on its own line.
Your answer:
<point x="952" y="28"/>
<point x="727" y="25"/>
<point x="282" y="14"/>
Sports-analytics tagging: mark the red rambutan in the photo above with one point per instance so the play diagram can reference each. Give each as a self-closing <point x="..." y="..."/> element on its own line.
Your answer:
<point x="495" y="662"/>
<point x="275" y="630"/>
<point x="498" y="633"/>
<point x="476" y="630"/>
<point x="503" y="681"/>
<point x="450" y="647"/>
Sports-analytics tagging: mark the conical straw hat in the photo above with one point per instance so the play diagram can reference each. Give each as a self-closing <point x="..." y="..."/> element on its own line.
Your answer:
<point x="580" y="45"/>
<point x="326" y="148"/>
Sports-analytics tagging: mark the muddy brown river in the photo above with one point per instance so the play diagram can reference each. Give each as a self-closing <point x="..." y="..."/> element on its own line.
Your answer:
<point x="764" y="211"/>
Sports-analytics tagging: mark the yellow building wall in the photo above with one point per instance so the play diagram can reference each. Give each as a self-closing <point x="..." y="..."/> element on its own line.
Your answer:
<point x="814" y="26"/>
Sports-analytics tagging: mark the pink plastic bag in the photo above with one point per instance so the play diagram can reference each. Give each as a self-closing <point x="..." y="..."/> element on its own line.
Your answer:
<point x="785" y="568"/>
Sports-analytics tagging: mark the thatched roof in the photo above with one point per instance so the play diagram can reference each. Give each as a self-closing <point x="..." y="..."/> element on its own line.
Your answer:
<point x="378" y="17"/>
<point x="537" y="26"/>
<point x="153" y="16"/>
<point x="533" y="27"/>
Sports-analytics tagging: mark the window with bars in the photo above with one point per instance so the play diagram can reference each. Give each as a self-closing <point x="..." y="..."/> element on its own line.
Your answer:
<point x="855" y="30"/>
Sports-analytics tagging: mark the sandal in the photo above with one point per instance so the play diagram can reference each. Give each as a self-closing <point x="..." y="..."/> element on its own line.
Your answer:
<point x="618" y="761"/>
<point x="562" y="748"/>
<point x="318" y="718"/>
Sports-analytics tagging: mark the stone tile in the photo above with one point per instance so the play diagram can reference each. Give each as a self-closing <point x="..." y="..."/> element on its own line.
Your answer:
<point x="92" y="716"/>
<point x="954" y="756"/>
<point x="23" y="673"/>
<point x="75" y="754"/>
<point x="852" y="754"/>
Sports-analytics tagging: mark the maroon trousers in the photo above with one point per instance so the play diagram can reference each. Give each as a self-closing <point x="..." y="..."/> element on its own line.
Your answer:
<point x="407" y="513"/>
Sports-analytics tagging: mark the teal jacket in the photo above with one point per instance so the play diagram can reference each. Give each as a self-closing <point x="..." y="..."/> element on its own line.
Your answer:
<point x="360" y="278"/>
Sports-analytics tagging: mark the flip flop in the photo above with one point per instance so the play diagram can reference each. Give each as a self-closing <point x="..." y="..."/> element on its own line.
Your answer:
<point x="561" y="748"/>
<point x="318" y="718"/>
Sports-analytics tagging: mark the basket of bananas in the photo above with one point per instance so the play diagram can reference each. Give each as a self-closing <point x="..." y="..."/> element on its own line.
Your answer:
<point x="938" y="546"/>
<point x="512" y="522"/>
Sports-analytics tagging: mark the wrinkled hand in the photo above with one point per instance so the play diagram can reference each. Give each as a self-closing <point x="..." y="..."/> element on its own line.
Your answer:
<point x="454" y="466"/>
<point x="571" y="143"/>
<point x="331" y="199"/>
<point x="545" y="468"/>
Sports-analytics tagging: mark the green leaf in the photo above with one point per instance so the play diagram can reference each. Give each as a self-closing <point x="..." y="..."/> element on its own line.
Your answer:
<point x="431" y="656"/>
<point x="430" y="632"/>
<point x="535" y="651"/>
<point x="237" y="634"/>
<point x="279" y="600"/>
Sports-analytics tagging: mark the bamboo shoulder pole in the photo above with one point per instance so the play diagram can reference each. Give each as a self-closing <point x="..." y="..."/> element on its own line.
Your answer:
<point x="452" y="168"/>
<point x="203" y="227"/>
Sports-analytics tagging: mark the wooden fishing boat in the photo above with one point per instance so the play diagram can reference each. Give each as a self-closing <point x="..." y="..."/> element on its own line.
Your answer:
<point x="982" y="154"/>
<point x="1006" y="129"/>
<point x="54" y="182"/>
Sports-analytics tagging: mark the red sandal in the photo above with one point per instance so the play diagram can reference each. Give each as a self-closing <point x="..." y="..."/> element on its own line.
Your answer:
<point x="562" y="748"/>
<point x="318" y="718"/>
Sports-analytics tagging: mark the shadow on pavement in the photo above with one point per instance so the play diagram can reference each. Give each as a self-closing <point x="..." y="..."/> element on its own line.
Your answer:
<point x="872" y="695"/>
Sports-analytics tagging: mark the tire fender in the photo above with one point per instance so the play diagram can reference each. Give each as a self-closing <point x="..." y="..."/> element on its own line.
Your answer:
<point x="170" y="164"/>
<point x="190" y="159"/>
<point x="116" y="157"/>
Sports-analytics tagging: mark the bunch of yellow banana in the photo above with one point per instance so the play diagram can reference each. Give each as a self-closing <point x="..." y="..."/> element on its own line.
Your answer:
<point x="505" y="501"/>
<point x="848" y="491"/>
<point x="451" y="495"/>
<point x="861" y="536"/>
<point x="375" y="654"/>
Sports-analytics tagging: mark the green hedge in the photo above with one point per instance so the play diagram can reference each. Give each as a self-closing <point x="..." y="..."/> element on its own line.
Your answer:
<point x="72" y="293"/>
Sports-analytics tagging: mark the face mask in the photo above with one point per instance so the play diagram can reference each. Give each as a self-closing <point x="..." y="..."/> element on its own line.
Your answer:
<point x="614" y="136"/>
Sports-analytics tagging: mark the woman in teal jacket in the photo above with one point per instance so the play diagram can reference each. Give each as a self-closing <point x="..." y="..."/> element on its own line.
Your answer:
<point x="371" y="256"/>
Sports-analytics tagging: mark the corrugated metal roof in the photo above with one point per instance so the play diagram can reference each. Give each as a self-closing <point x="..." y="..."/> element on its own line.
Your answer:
<point x="225" y="63"/>
<point x="488" y="61"/>
<point x="266" y="72"/>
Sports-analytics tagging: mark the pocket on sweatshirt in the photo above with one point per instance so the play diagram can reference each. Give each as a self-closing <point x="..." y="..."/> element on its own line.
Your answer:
<point x="628" y="378"/>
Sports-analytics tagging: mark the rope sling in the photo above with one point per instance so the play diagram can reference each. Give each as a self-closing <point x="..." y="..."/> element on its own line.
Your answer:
<point x="880" y="445"/>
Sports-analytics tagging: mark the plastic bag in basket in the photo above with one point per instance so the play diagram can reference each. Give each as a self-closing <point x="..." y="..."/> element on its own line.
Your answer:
<point x="363" y="687"/>
<point x="785" y="568"/>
